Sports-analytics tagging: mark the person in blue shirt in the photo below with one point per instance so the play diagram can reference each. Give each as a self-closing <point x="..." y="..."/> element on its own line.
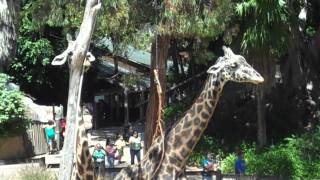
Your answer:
<point x="50" y="135"/>
<point x="208" y="163"/>
<point x="98" y="156"/>
<point x="240" y="165"/>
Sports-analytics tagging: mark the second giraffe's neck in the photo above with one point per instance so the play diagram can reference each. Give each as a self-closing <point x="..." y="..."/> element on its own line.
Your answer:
<point x="185" y="135"/>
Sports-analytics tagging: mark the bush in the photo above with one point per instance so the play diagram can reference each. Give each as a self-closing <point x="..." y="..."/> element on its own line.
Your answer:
<point x="206" y="145"/>
<point x="36" y="173"/>
<point x="228" y="163"/>
<point x="281" y="161"/>
<point x="12" y="111"/>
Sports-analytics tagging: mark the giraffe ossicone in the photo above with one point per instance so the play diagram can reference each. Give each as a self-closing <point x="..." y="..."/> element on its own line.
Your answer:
<point x="184" y="135"/>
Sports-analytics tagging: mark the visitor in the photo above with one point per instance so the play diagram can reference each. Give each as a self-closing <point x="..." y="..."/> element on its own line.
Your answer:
<point x="240" y="165"/>
<point x="63" y="124"/>
<point x="208" y="163"/>
<point x="128" y="132"/>
<point x="135" y="146"/>
<point x="111" y="152"/>
<point x="50" y="134"/>
<point x="120" y="144"/>
<point x="99" y="156"/>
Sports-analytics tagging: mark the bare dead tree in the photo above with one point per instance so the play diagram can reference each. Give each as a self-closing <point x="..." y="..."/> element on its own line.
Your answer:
<point x="76" y="53"/>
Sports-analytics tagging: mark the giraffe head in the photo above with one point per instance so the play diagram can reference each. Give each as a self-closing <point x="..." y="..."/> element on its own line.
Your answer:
<point x="234" y="67"/>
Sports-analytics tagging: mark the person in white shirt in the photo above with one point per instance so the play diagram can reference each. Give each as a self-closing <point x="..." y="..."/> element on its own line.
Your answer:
<point x="120" y="144"/>
<point x="135" y="146"/>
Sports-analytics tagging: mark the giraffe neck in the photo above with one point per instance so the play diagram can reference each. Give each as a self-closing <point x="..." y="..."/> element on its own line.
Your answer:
<point x="185" y="135"/>
<point x="84" y="164"/>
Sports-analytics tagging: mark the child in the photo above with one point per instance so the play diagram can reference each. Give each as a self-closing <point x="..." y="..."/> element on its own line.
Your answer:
<point x="120" y="144"/>
<point x="50" y="134"/>
<point x="111" y="152"/>
<point x="208" y="163"/>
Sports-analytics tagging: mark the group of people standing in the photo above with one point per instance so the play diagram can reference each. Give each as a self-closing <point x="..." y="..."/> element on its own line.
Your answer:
<point x="114" y="150"/>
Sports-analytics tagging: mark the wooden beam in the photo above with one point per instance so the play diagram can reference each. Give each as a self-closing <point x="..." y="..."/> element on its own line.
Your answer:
<point x="176" y="86"/>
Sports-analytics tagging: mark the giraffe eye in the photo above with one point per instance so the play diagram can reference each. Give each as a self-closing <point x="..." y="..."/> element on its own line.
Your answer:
<point x="234" y="65"/>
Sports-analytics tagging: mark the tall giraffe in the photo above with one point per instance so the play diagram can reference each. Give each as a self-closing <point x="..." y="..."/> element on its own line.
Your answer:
<point x="182" y="138"/>
<point x="84" y="168"/>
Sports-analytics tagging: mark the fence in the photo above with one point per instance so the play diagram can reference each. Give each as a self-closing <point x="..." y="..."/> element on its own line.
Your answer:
<point x="37" y="138"/>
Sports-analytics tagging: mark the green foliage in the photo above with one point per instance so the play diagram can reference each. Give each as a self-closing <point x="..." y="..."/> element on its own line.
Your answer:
<point x="280" y="161"/>
<point x="33" y="56"/>
<point x="36" y="173"/>
<point x="206" y="145"/>
<point x="192" y="18"/>
<point x="33" y="59"/>
<point x="37" y="14"/>
<point x="12" y="110"/>
<point x="310" y="32"/>
<point x="172" y="111"/>
<point x="296" y="158"/>
<point x="266" y="30"/>
<point x="228" y="163"/>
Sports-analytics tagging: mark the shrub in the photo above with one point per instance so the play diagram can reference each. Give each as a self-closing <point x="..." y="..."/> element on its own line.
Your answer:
<point x="36" y="173"/>
<point x="206" y="145"/>
<point x="12" y="111"/>
<point x="281" y="161"/>
<point x="228" y="163"/>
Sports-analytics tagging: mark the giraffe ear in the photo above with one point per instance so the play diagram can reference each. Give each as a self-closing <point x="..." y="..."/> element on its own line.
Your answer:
<point x="227" y="51"/>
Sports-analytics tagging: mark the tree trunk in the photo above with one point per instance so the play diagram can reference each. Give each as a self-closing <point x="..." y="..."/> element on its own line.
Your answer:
<point x="158" y="61"/>
<point x="175" y="58"/>
<point x="261" y="114"/>
<point x="79" y="52"/>
<point x="126" y="106"/>
<point x="9" y="25"/>
<point x="116" y="64"/>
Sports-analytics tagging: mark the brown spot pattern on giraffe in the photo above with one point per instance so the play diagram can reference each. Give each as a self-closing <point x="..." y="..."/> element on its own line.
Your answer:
<point x="177" y="128"/>
<point x="190" y="144"/>
<point x="80" y="170"/>
<point x="196" y="121"/>
<point x="197" y="132"/>
<point x="185" y="133"/>
<point x="204" y="115"/>
<point x="203" y="124"/>
<point x="184" y="152"/>
<point x="208" y="107"/>
<point x="192" y="111"/>
<point x="199" y="100"/>
<point x="89" y="177"/>
<point x="210" y="95"/>
<point x="187" y="124"/>
<point x="199" y="108"/>
<point x="82" y="158"/>
<point x="177" y="141"/>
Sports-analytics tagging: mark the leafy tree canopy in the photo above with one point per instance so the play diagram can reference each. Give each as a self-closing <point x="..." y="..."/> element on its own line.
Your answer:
<point x="266" y="26"/>
<point x="12" y="111"/>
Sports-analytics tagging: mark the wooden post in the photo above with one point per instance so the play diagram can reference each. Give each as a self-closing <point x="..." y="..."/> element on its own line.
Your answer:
<point x="76" y="53"/>
<point x="141" y="108"/>
<point x="126" y="106"/>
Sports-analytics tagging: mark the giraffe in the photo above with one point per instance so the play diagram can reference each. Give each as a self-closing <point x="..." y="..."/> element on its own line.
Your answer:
<point x="182" y="138"/>
<point x="84" y="168"/>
